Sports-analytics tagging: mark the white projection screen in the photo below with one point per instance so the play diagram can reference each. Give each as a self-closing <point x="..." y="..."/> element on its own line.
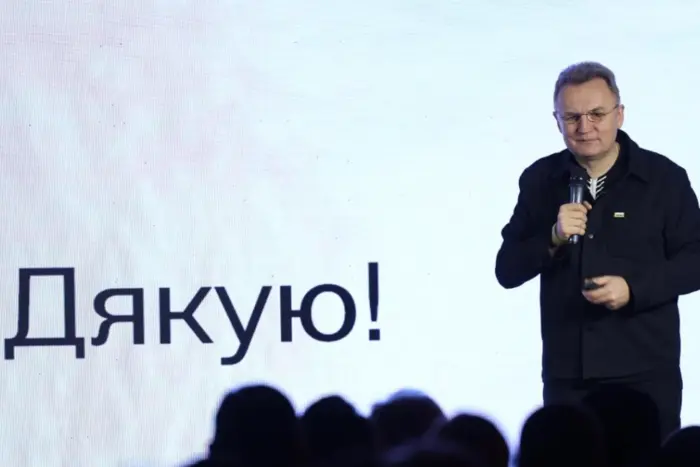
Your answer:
<point x="223" y="152"/>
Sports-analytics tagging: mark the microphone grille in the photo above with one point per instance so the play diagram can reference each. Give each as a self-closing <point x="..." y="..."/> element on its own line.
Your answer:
<point x="578" y="174"/>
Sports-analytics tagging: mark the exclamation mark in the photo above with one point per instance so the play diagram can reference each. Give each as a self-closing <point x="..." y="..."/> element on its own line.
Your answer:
<point x="374" y="298"/>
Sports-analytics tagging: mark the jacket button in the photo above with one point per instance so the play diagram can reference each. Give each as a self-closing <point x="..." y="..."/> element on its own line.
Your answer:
<point x="591" y="236"/>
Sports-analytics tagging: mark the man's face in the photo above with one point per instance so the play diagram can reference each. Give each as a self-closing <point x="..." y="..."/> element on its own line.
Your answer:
<point x="588" y="117"/>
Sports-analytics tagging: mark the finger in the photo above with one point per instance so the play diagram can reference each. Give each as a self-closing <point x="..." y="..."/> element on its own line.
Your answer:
<point x="604" y="301"/>
<point x="578" y="228"/>
<point x="598" y="296"/>
<point x="578" y="215"/>
<point x="590" y="297"/>
<point x="587" y="205"/>
<point x="597" y="301"/>
<point x="577" y="208"/>
<point x="602" y="280"/>
<point x="574" y="231"/>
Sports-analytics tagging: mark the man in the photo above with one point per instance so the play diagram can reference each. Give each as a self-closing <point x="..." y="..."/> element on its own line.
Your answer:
<point x="609" y="302"/>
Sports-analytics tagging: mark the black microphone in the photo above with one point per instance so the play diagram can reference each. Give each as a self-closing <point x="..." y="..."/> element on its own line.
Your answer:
<point x="577" y="184"/>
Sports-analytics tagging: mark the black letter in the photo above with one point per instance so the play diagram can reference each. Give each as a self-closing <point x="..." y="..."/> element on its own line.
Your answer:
<point x="373" y="279"/>
<point x="166" y="315"/>
<point x="244" y="334"/>
<point x="110" y="319"/>
<point x="304" y="312"/>
<point x="21" y="339"/>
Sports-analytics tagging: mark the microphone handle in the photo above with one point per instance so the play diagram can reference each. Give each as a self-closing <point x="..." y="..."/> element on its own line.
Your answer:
<point x="576" y="196"/>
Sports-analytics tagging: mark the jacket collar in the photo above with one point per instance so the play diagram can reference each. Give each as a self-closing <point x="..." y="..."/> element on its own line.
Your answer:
<point x="636" y="159"/>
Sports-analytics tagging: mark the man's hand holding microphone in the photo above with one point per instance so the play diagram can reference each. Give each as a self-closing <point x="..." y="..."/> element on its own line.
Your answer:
<point x="571" y="220"/>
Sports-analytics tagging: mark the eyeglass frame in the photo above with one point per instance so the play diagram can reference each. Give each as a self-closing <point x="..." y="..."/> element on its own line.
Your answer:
<point x="593" y="116"/>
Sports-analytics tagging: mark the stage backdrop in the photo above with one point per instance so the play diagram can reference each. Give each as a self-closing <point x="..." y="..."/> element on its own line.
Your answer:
<point x="197" y="195"/>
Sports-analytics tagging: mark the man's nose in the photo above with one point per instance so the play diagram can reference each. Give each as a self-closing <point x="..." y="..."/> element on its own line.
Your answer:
<point x="584" y="125"/>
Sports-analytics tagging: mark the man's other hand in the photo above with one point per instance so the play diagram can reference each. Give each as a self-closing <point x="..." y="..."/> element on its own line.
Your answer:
<point x="613" y="292"/>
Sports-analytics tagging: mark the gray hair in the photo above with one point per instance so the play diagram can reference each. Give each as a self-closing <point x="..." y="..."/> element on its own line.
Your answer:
<point x="584" y="72"/>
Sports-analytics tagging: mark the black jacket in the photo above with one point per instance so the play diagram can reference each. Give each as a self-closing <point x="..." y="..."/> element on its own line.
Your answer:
<point x="645" y="229"/>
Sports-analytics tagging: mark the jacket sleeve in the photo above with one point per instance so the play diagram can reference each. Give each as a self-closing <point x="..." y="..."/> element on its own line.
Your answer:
<point x="679" y="274"/>
<point x="524" y="251"/>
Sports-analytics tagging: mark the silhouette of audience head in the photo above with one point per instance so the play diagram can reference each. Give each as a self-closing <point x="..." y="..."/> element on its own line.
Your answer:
<point x="630" y="423"/>
<point x="431" y="454"/>
<point x="257" y="426"/>
<point x="335" y="430"/>
<point x="561" y="435"/>
<point x="407" y="416"/>
<point x="478" y="435"/>
<point x="681" y="449"/>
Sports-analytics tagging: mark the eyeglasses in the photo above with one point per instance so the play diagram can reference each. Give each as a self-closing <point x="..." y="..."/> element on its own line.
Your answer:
<point x="594" y="116"/>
